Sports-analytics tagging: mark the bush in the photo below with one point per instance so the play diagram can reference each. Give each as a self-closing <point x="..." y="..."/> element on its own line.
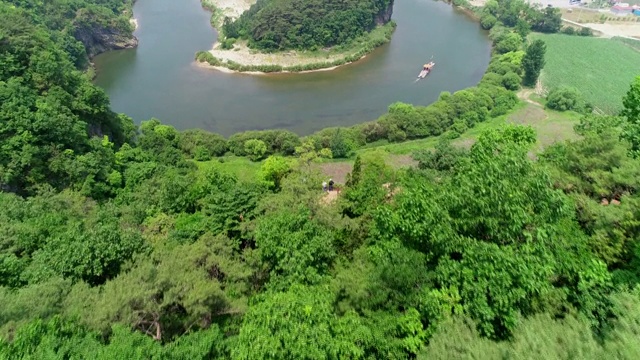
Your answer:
<point x="507" y="43"/>
<point x="201" y="145"/>
<point x="511" y="81"/>
<point x="568" y="30"/>
<point x="585" y="31"/>
<point x="487" y="21"/>
<point x="566" y="98"/>
<point x="227" y="43"/>
<point x="340" y="145"/>
<point x="277" y="141"/>
<point x="255" y="149"/>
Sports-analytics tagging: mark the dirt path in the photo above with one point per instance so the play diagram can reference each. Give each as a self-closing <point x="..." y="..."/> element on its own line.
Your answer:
<point x="525" y="94"/>
<point x="623" y="30"/>
<point x="330" y="197"/>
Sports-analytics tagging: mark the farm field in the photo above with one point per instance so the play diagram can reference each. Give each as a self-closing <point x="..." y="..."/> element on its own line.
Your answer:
<point x="601" y="69"/>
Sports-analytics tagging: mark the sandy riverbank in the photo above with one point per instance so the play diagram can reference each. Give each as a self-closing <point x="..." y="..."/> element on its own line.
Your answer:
<point x="229" y="71"/>
<point x="134" y="22"/>
<point x="230" y="8"/>
<point x="243" y="55"/>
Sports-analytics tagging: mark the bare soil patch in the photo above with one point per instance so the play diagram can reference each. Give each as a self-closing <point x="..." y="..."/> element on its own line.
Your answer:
<point x="336" y="170"/>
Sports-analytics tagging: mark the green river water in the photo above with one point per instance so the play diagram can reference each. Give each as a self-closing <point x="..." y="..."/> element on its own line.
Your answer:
<point x="160" y="78"/>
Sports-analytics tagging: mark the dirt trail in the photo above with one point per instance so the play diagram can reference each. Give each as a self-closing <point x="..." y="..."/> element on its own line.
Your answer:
<point x="330" y="197"/>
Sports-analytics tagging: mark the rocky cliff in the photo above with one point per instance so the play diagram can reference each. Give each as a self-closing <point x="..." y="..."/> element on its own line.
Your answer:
<point x="384" y="16"/>
<point x="99" y="40"/>
<point x="99" y="36"/>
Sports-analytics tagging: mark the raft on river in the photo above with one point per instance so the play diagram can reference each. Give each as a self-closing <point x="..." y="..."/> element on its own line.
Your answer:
<point x="426" y="69"/>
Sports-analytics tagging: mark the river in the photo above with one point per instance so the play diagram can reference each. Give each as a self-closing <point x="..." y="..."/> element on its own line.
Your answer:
<point x="160" y="78"/>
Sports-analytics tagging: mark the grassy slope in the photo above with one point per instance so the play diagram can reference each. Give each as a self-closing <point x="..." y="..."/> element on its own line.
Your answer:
<point x="551" y="126"/>
<point x="243" y="168"/>
<point x="601" y="69"/>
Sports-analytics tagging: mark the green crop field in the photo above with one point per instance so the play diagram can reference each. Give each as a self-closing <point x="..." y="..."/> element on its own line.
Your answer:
<point x="602" y="69"/>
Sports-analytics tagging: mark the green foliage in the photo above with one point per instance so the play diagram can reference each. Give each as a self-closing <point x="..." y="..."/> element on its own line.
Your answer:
<point x="574" y="61"/>
<point x="201" y="145"/>
<point x="631" y="112"/>
<point x="508" y="42"/>
<point x="585" y="31"/>
<point x="491" y="219"/>
<point x="120" y="242"/>
<point x="511" y="81"/>
<point x="204" y="279"/>
<point x="565" y="98"/>
<point x="75" y="239"/>
<point x="523" y="16"/>
<point x="300" y="324"/>
<point x="367" y="185"/>
<point x="278" y="141"/>
<point x="533" y="62"/>
<point x="56" y="109"/>
<point x="227" y="44"/>
<point x="274" y="169"/>
<point x="308" y="152"/>
<point x="488" y="21"/>
<point x="445" y="157"/>
<point x="255" y="149"/>
<point x="305" y="24"/>
<point x="307" y="253"/>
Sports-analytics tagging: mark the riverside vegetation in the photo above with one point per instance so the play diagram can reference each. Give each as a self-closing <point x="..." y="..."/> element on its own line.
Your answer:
<point x="123" y="242"/>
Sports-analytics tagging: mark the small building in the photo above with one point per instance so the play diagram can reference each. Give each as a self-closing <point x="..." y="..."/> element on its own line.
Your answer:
<point x="621" y="10"/>
<point x="636" y="12"/>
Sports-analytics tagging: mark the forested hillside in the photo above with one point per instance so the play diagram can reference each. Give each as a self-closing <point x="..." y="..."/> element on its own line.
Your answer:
<point x="125" y="242"/>
<point x="83" y="28"/>
<point x="307" y="24"/>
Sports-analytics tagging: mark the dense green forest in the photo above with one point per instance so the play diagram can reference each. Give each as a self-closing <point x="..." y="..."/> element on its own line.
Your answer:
<point x="126" y="242"/>
<point x="306" y="24"/>
<point x="83" y="28"/>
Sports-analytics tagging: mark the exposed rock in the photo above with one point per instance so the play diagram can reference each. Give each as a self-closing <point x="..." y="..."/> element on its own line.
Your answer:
<point x="384" y="16"/>
<point x="98" y="38"/>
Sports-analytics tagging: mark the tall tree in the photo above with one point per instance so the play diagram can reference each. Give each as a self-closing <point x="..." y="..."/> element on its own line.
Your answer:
<point x="631" y="112"/>
<point x="533" y="62"/>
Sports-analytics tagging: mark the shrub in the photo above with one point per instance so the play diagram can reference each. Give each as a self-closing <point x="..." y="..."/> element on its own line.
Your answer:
<point x="511" y="81"/>
<point x="568" y="30"/>
<point x="487" y="21"/>
<point x="566" y="98"/>
<point x="201" y="145"/>
<point x="277" y="141"/>
<point x="255" y="149"/>
<point x="507" y="43"/>
<point x="227" y="43"/>
<point x="585" y="31"/>
<point x="340" y="145"/>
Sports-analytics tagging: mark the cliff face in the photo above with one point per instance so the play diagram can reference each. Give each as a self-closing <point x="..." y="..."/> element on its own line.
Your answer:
<point x="384" y="16"/>
<point x="100" y="32"/>
<point x="98" y="39"/>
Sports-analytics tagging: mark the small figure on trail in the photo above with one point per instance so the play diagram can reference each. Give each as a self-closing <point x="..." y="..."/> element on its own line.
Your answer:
<point x="331" y="184"/>
<point x="324" y="186"/>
